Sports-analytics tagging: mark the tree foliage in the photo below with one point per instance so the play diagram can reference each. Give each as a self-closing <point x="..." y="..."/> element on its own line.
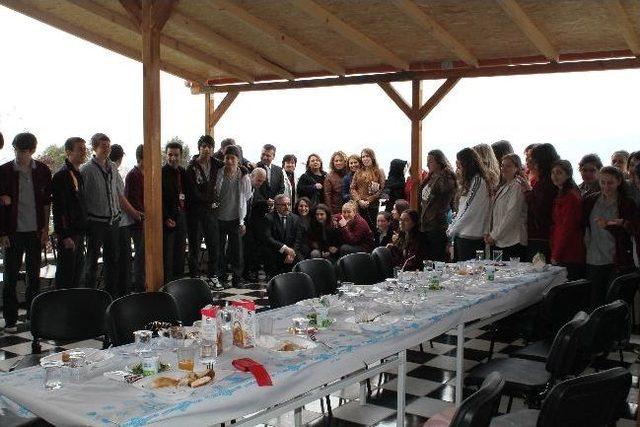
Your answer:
<point x="53" y="156"/>
<point x="186" y="153"/>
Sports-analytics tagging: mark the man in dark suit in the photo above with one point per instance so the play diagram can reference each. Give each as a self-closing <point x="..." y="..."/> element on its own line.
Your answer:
<point x="274" y="184"/>
<point x="174" y="212"/>
<point x="282" y="237"/>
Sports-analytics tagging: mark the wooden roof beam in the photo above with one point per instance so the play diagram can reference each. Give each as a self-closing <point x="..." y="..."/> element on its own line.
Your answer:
<point x="426" y="22"/>
<point x="348" y="32"/>
<point x="166" y="41"/>
<point x="396" y="98"/>
<point x="193" y="26"/>
<point x="438" y="95"/>
<point x="526" y="25"/>
<point x="502" y="70"/>
<point x="624" y="25"/>
<point x="280" y="37"/>
<point x="49" y="19"/>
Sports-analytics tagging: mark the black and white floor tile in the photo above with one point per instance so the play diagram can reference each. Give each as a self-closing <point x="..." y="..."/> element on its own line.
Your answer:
<point x="430" y="383"/>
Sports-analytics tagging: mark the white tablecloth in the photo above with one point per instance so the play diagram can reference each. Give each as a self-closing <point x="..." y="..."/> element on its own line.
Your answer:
<point x="101" y="401"/>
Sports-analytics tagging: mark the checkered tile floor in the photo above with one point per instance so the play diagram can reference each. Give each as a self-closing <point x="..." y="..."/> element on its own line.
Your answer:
<point x="430" y="374"/>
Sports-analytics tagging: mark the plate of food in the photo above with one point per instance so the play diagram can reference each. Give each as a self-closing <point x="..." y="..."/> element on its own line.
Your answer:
<point x="91" y="356"/>
<point x="174" y="383"/>
<point x="291" y="345"/>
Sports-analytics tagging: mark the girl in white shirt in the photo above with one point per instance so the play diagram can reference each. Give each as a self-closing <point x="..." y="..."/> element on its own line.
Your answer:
<point x="470" y="223"/>
<point x="508" y="227"/>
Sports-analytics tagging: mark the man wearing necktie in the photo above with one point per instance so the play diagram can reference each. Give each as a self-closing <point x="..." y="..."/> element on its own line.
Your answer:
<point x="274" y="183"/>
<point x="283" y="237"/>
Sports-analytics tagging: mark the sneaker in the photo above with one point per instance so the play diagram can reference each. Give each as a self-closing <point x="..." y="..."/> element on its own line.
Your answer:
<point x="11" y="329"/>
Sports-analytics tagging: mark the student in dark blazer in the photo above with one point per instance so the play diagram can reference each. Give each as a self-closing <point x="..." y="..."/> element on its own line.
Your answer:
<point x="274" y="184"/>
<point x="282" y="237"/>
<point x="70" y="214"/>
<point x="384" y="231"/>
<point x="174" y="212"/>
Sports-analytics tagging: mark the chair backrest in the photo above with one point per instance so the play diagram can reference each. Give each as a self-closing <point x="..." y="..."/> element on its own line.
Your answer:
<point x="562" y="302"/>
<point x="358" y="268"/>
<point x="190" y="296"/>
<point x="132" y="312"/>
<point x="321" y="272"/>
<point x="478" y="409"/>
<point x="567" y="355"/>
<point x="384" y="261"/>
<point x="69" y="314"/>
<point x="609" y="325"/>
<point x="624" y="288"/>
<point x="289" y="288"/>
<point x="588" y="401"/>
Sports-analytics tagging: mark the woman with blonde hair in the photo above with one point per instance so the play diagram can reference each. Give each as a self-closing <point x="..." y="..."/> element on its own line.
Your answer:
<point x="507" y="229"/>
<point x="333" y="182"/>
<point x="355" y="234"/>
<point x="366" y="187"/>
<point x="490" y="163"/>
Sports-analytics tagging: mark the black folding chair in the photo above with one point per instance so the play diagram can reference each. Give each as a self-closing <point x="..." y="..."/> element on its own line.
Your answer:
<point x="358" y="268"/>
<point x="133" y="312"/>
<point x="190" y="296"/>
<point x="289" y="288"/>
<point x="384" y="261"/>
<point x="321" y="272"/>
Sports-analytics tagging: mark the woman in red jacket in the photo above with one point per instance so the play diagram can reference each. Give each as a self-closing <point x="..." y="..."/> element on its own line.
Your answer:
<point x="567" y="244"/>
<point x="355" y="234"/>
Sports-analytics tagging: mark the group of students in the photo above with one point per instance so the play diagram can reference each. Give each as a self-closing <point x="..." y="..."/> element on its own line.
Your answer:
<point x="259" y="216"/>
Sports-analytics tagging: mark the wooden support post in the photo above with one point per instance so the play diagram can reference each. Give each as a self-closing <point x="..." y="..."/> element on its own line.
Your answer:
<point x="208" y="113"/>
<point x="416" y="141"/>
<point x="153" y="16"/>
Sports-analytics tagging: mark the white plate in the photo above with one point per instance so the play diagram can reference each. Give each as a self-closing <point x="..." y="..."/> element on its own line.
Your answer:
<point x="377" y="324"/>
<point x="275" y="343"/>
<point x="146" y="383"/>
<point x="93" y="356"/>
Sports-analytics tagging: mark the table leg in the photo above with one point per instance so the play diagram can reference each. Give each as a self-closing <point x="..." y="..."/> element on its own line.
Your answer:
<point x="402" y="373"/>
<point x="459" y="364"/>
<point x="363" y="393"/>
<point x="297" y="417"/>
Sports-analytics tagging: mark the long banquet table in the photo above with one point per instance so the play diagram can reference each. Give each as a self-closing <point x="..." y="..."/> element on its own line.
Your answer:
<point x="351" y="354"/>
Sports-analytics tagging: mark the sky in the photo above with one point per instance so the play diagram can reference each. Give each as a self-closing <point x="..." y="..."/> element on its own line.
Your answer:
<point x="56" y="85"/>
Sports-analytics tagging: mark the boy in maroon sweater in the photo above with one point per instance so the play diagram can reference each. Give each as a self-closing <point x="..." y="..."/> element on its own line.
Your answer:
<point x="25" y="188"/>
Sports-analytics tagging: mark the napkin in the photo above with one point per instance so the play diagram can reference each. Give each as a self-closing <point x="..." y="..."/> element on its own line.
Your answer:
<point x="257" y="370"/>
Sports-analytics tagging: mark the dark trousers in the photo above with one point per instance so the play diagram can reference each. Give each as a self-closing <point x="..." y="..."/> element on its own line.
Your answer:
<point x="514" y="251"/>
<point x="535" y="246"/>
<point x="70" y="263"/>
<point x="106" y="236"/>
<point x="137" y="235"/>
<point x="174" y="244"/>
<point x="436" y="248"/>
<point x="370" y="214"/>
<point x="21" y="244"/>
<point x="574" y="271"/>
<point x="230" y="248"/>
<point x="124" y="258"/>
<point x="465" y="249"/>
<point x="201" y="226"/>
<point x="252" y="252"/>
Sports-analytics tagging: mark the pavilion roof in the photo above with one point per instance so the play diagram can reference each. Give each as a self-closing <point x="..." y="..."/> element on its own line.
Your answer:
<point x="219" y="42"/>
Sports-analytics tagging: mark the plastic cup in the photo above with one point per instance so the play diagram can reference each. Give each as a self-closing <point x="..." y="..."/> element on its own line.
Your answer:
<point x="480" y="255"/>
<point x="186" y="358"/>
<point x="265" y="325"/>
<point x="497" y="255"/>
<point x="52" y="374"/>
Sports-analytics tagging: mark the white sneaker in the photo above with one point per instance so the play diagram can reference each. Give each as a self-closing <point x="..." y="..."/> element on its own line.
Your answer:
<point x="214" y="284"/>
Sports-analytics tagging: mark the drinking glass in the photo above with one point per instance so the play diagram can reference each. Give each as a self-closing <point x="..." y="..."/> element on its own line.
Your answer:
<point x="458" y="286"/>
<point x="497" y="255"/>
<point x="409" y="308"/>
<point x="428" y="265"/>
<point x="52" y="374"/>
<point x="480" y="255"/>
<point x="77" y="363"/>
<point x="514" y="261"/>
<point x="176" y="336"/>
<point x="186" y="356"/>
<point x="265" y="325"/>
<point x="142" y="340"/>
